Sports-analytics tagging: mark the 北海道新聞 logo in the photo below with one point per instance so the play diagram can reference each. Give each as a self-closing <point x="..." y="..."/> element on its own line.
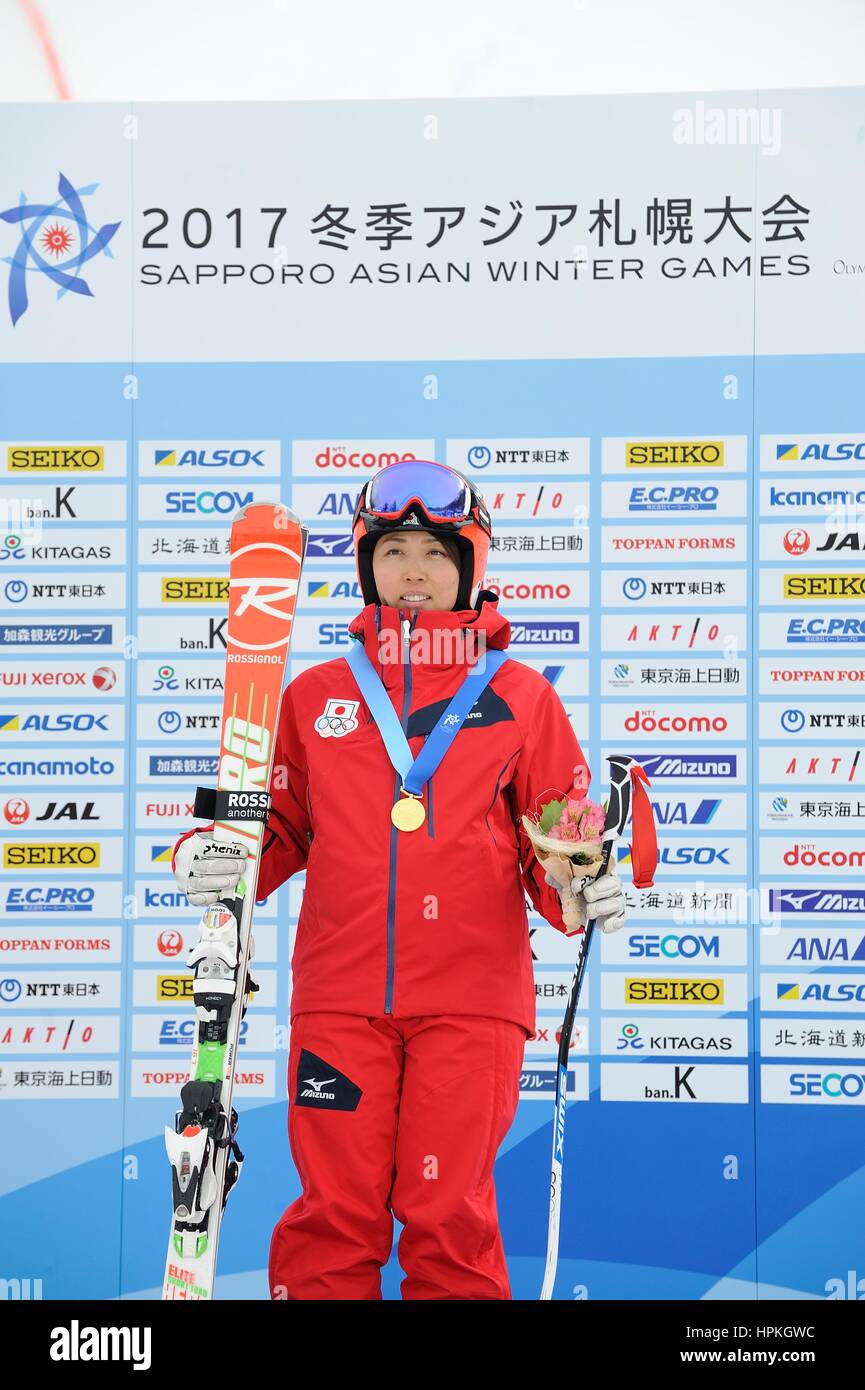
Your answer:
<point x="56" y="241"/>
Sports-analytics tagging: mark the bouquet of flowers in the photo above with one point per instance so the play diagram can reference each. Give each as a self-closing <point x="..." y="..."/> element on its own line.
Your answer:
<point x="568" y="831"/>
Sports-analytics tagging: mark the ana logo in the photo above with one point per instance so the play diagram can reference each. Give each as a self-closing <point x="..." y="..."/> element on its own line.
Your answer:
<point x="796" y="541"/>
<point x="339" y="718"/>
<point x="56" y="241"/>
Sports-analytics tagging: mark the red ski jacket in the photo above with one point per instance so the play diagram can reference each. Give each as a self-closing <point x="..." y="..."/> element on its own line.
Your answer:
<point x="429" y="921"/>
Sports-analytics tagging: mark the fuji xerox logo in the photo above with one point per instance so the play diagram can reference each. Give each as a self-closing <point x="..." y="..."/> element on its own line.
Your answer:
<point x="56" y="241"/>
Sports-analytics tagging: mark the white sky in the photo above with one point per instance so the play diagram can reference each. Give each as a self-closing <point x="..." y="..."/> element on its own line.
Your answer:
<point x="207" y="50"/>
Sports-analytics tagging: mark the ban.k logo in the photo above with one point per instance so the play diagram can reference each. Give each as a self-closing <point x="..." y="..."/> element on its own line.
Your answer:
<point x="339" y="717"/>
<point x="56" y="241"/>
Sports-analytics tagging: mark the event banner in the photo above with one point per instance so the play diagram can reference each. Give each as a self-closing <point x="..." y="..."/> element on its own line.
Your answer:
<point x="638" y="323"/>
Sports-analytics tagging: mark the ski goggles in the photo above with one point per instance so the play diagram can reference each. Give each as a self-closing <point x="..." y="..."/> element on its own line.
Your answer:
<point x="443" y="495"/>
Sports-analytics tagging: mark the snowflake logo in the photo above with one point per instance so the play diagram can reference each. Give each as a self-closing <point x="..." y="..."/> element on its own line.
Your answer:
<point x="59" y="231"/>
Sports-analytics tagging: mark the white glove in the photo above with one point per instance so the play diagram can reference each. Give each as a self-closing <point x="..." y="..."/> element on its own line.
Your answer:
<point x="207" y="869"/>
<point x="601" y="902"/>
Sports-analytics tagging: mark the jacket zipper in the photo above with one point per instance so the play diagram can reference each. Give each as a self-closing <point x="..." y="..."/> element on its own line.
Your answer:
<point x="407" y="629"/>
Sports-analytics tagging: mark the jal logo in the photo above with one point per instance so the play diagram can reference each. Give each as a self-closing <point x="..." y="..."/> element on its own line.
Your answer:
<point x="169" y="943"/>
<point x="796" y="541"/>
<point x="16" y="810"/>
<point x="338" y="718"/>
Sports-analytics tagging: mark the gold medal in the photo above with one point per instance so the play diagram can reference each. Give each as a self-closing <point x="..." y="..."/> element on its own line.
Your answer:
<point x="409" y="813"/>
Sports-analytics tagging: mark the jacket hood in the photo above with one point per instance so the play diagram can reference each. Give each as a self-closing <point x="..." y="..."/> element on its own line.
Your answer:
<point x="438" y="638"/>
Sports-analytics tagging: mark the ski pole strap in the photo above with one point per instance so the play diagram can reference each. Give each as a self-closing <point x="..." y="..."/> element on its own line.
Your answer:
<point x="644" y="837"/>
<point x="416" y="772"/>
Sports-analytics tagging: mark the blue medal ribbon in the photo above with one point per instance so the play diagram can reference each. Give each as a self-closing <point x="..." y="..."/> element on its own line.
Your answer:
<point x="416" y="772"/>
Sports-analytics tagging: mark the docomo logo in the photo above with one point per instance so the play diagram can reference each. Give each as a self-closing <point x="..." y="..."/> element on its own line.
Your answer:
<point x="335" y="458"/>
<point x="647" y="722"/>
<point x="809" y="857"/>
<point x="539" y="590"/>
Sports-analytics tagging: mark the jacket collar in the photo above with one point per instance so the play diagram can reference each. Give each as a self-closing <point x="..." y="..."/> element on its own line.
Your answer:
<point x="440" y="639"/>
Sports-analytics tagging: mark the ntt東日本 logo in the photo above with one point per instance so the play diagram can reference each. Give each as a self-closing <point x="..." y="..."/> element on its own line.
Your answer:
<point x="56" y="241"/>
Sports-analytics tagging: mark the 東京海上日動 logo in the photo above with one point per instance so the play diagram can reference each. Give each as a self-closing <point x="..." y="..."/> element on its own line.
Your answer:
<point x="56" y="241"/>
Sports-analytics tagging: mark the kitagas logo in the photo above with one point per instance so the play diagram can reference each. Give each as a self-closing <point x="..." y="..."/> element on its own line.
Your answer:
<point x="56" y="241"/>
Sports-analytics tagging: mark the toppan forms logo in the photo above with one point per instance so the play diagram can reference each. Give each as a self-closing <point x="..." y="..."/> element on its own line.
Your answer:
<point x="64" y="235"/>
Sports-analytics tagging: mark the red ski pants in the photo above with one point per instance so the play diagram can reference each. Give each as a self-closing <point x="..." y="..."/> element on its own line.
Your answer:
<point x="396" y="1117"/>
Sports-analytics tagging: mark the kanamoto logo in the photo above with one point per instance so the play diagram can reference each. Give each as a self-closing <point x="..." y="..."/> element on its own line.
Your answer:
<point x="50" y="856"/>
<point x="59" y="231"/>
<point x="675" y="453"/>
<point x="808" y="856"/>
<point x="682" y="991"/>
<point x="54" y="458"/>
<point x="648" y="722"/>
<point x="837" y="586"/>
<point x="194" y="589"/>
<point x="261" y="609"/>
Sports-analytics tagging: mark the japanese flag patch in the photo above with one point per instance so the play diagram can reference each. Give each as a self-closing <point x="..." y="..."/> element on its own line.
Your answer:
<point x="339" y="717"/>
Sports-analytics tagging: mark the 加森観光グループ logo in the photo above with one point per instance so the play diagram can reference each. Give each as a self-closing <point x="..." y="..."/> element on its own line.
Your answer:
<point x="56" y="241"/>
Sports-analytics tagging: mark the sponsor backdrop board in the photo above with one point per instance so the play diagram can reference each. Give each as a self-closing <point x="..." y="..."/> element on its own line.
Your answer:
<point x="654" y="375"/>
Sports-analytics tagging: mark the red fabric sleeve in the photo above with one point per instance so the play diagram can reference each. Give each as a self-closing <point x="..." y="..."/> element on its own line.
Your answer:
<point x="287" y="831"/>
<point x="550" y="762"/>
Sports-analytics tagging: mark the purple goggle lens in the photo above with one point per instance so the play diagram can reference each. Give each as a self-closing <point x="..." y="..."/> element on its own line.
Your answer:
<point x="442" y="493"/>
